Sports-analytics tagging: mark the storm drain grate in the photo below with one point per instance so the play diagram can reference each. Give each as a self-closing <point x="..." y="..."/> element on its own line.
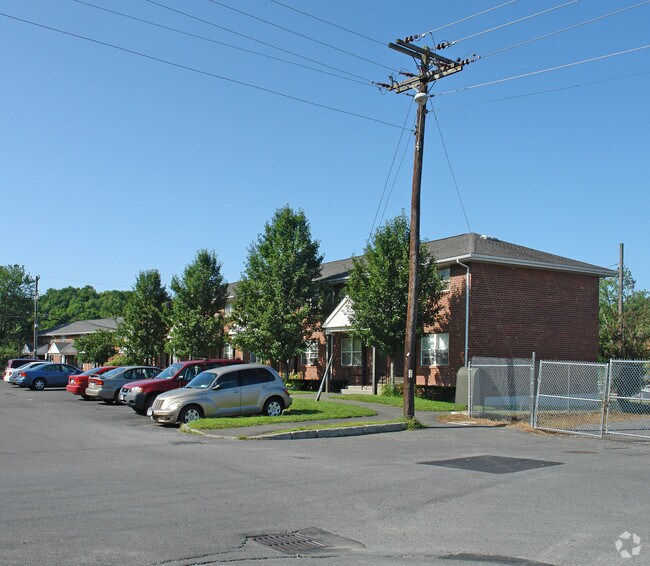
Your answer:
<point x="493" y="464"/>
<point x="289" y="544"/>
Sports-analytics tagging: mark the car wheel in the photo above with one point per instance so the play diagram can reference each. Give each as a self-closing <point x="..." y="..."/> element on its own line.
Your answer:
<point x="273" y="407"/>
<point x="114" y="399"/>
<point x="38" y="384"/>
<point x="86" y="397"/>
<point x="189" y="414"/>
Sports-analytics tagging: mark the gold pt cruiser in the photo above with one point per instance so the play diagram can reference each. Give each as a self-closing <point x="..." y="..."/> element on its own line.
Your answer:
<point x="243" y="389"/>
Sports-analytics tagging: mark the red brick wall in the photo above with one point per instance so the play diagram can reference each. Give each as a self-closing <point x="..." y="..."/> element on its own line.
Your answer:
<point x="516" y="311"/>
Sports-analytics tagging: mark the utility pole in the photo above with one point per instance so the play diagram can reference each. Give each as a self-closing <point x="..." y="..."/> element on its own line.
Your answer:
<point x="431" y="68"/>
<point x="621" y="282"/>
<point x="36" y="317"/>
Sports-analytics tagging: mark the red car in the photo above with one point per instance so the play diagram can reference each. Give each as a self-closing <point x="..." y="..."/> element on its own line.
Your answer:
<point x="140" y="395"/>
<point x="77" y="383"/>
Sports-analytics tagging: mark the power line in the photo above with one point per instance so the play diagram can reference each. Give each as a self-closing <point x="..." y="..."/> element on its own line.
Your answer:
<point x="514" y="22"/>
<point x="421" y="35"/>
<point x="256" y="53"/>
<point x="201" y="72"/>
<point x="382" y="43"/>
<point x="254" y="39"/>
<point x="451" y="169"/>
<point x="307" y="37"/>
<point x="565" y="29"/>
<point x="392" y="186"/>
<point x="390" y="170"/>
<point x="551" y="90"/>
<point x="546" y="70"/>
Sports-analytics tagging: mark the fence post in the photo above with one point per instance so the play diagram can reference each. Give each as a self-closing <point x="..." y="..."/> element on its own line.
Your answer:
<point x="532" y="390"/>
<point x="604" y="419"/>
<point x="469" y="388"/>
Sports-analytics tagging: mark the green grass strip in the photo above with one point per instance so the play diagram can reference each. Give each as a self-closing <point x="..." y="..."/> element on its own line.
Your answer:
<point x="420" y="404"/>
<point x="301" y="410"/>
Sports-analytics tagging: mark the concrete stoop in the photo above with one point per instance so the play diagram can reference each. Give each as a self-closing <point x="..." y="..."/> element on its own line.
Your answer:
<point x="360" y="390"/>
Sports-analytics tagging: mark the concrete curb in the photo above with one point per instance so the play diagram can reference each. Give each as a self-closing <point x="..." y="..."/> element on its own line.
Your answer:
<point x="332" y="432"/>
<point x="317" y="433"/>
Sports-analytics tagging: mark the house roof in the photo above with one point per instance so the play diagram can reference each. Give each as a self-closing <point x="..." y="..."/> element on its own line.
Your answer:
<point x="474" y="247"/>
<point x="82" y="327"/>
<point x="66" y="348"/>
<point x="487" y="249"/>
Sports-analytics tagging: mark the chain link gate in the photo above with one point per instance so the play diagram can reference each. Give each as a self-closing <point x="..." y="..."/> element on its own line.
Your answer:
<point x="628" y="409"/>
<point x="571" y="397"/>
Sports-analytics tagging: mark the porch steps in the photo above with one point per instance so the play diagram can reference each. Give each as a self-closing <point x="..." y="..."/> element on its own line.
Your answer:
<point x="360" y="390"/>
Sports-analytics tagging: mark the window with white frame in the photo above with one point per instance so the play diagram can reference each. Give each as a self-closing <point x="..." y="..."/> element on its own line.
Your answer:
<point x="445" y="278"/>
<point x="310" y="354"/>
<point x="253" y="358"/>
<point x="434" y="350"/>
<point x="228" y="352"/>
<point x="350" y="351"/>
<point x="228" y="309"/>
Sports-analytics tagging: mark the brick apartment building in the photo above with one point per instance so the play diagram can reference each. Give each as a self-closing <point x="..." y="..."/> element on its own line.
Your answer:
<point x="501" y="300"/>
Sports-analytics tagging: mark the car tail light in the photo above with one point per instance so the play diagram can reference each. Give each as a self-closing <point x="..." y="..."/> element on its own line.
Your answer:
<point x="22" y="374"/>
<point x="97" y="381"/>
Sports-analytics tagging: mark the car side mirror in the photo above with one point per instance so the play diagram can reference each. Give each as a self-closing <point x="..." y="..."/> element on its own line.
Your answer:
<point x="217" y="386"/>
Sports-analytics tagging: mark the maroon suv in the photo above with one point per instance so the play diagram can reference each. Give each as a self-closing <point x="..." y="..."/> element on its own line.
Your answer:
<point x="140" y="395"/>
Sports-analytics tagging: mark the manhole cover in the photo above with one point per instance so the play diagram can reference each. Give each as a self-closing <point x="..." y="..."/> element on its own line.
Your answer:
<point x="493" y="464"/>
<point x="289" y="544"/>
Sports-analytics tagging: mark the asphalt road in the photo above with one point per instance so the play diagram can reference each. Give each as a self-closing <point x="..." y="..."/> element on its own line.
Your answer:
<point x="88" y="483"/>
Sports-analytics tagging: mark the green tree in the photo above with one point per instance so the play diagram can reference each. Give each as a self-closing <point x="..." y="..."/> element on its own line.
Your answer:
<point x="378" y="289"/>
<point x="277" y="307"/>
<point x="96" y="347"/>
<point x="634" y="342"/>
<point x="144" y="329"/>
<point x="16" y="310"/>
<point x="60" y="306"/>
<point x="199" y="299"/>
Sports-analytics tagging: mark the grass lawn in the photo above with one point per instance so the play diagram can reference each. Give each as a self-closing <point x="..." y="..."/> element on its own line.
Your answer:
<point x="420" y="404"/>
<point x="300" y="411"/>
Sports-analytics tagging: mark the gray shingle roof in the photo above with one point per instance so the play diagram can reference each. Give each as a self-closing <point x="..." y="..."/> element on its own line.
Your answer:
<point x="82" y="327"/>
<point x="475" y="247"/>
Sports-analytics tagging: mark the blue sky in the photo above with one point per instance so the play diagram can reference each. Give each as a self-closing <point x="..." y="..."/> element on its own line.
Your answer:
<point x="113" y="163"/>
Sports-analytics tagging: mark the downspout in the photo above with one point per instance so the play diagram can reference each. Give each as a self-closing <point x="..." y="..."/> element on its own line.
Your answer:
<point x="466" y="309"/>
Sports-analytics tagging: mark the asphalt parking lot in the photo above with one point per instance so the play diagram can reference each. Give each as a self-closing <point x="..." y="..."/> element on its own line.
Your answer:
<point x="88" y="483"/>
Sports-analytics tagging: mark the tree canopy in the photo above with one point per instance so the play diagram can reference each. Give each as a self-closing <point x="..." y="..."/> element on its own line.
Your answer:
<point x="277" y="306"/>
<point x="96" y="347"/>
<point x="196" y="320"/>
<point x="634" y="342"/>
<point x="144" y="329"/>
<point x="378" y="288"/>
<point x="59" y="306"/>
<point x="16" y="310"/>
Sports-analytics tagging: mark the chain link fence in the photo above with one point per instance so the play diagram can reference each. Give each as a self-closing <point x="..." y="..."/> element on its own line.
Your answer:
<point x="628" y="409"/>
<point x="501" y="388"/>
<point x="582" y="398"/>
<point x="571" y="397"/>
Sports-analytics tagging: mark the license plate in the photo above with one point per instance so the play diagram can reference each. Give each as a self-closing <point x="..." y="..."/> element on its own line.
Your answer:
<point x="150" y="412"/>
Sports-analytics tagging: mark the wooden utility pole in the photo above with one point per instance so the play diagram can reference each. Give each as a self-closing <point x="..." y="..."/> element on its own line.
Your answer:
<point x="36" y="318"/>
<point x="431" y="67"/>
<point x="621" y="282"/>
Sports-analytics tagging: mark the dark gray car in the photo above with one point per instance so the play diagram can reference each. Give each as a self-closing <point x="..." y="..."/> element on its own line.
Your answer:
<point x="107" y="386"/>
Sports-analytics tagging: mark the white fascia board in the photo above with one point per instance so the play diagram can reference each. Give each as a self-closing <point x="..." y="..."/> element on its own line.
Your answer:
<point x="601" y="272"/>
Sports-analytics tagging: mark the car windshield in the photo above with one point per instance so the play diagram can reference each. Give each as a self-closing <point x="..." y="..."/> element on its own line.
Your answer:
<point x="171" y="371"/>
<point x="112" y="373"/>
<point x="201" y="381"/>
